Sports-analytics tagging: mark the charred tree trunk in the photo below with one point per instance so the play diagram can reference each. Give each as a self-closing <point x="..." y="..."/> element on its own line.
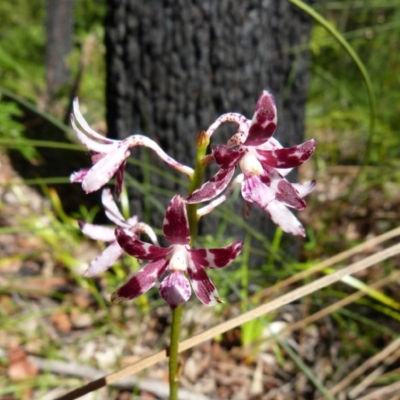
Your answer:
<point x="174" y="66"/>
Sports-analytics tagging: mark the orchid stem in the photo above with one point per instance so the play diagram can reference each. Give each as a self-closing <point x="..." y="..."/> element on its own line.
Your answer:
<point x="173" y="353"/>
<point x="191" y="209"/>
<point x="197" y="179"/>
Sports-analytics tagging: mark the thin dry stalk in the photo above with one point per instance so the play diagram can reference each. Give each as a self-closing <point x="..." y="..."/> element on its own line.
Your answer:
<point x="377" y="358"/>
<point x="243" y="318"/>
<point x="332" y="308"/>
<point x="374" y="375"/>
<point x="389" y="389"/>
<point x="366" y="382"/>
<point x="368" y="245"/>
<point x="339" y="304"/>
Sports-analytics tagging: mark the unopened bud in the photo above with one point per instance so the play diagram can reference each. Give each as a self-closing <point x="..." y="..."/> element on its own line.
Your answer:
<point x="202" y="140"/>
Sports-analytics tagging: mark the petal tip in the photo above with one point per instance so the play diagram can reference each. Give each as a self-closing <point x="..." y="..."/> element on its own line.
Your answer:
<point x="213" y="300"/>
<point x="302" y="232"/>
<point x="116" y="299"/>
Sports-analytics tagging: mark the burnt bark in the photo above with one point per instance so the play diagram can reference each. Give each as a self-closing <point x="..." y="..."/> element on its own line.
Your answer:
<point x="174" y="66"/>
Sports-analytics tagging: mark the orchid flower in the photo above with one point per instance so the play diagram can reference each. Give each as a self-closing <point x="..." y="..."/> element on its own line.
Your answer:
<point x="107" y="234"/>
<point x="177" y="260"/>
<point x="264" y="164"/>
<point x="109" y="156"/>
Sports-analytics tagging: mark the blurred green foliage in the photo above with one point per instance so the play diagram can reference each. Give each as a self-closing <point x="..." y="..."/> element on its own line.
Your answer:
<point x="23" y="43"/>
<point x="23" y="70"/>
<point x="338" y="105"/>
<point x="22" y="47"/>
<point x="12" y="129"/>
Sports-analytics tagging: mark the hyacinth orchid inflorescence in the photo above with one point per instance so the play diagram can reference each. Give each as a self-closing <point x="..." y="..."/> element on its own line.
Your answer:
<point x="113" y="251"/>
<point x="264" y="164"/>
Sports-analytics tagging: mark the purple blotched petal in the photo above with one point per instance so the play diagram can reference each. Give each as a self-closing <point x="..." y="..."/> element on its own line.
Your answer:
<point x="213" y="187"/>
<point x="287" y="158"/>
<point x="264" y="121"/>
<point x="140" y="283"/>
<point x="105" y="260"/>
<point x="202" y="285"/>
<point x="137" y="248"/>
<point x="265" y="109"/>
<point x="216" y="258"/>
<point x="289" y="196"/>
<point x="105" y="168"/>
<point x="119" y="177"/>
<point x="259" y="134"/>
<point x="257" y="192"/>
<point x="285" y="219"/>
<point x="176" y="224"/>
<point x="226" y="157"/>
<point x="175" y="289"/>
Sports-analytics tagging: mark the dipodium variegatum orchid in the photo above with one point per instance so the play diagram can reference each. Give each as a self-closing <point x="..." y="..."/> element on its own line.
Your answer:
<point x="264" y="164"/>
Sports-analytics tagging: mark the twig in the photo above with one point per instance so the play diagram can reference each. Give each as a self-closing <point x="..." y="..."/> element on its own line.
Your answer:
<point x="340" y="304"/>
<point x="394" y="387"/>
<point x="365" y="366"/>
<point x="234" y="322"/>
<point x="329" y="310"/>
<point x="331" y="261"/>
<point x="374" y="375"/>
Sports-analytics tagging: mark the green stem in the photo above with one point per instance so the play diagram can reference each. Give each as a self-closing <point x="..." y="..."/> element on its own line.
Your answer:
<point x="173" y="353"/>
<point x="196" y="181"/>
<point x="191" y="209"/>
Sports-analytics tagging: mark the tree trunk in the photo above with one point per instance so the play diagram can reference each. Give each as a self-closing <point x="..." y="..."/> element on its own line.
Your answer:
<point x="174" y="66"/>
<point x="59" y="30"/>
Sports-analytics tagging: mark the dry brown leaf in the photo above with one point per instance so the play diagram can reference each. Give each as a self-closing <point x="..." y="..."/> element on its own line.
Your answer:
<point x="81" y="300"/>
<point x="61" y="321"/>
